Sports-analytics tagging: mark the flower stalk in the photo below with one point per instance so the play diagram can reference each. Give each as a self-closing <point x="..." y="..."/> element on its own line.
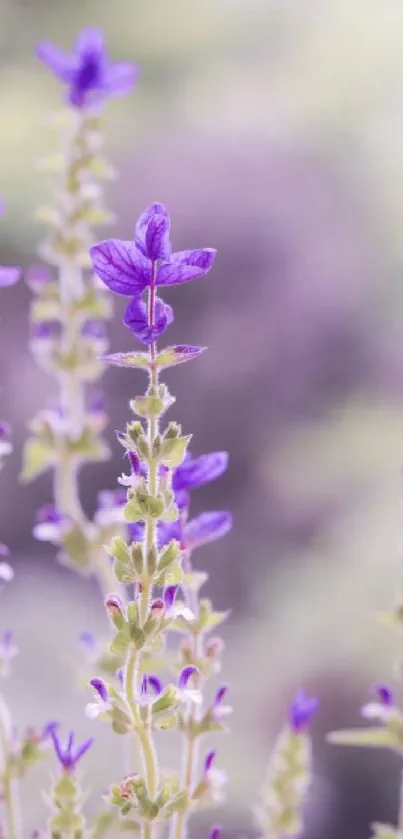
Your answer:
<point x="70" y="308"/>
<point x="156" y="509"/>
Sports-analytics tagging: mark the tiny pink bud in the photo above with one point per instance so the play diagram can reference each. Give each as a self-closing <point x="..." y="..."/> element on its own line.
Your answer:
<point x="157" y="608"/>
<point x="214" y="647"/>
<point x="114" y="604"/>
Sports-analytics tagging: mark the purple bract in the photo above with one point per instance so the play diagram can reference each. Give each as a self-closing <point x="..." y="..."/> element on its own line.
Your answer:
<point x="90" y="76"/>
<point x="302" y="710"/>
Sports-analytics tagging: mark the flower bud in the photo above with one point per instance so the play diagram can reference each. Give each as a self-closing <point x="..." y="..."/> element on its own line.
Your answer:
<point x="157" y="608"/>
<point x="114" y="607"/>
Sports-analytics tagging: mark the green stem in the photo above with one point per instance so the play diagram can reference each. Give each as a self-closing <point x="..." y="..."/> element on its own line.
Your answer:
<point x="10" y="789"/>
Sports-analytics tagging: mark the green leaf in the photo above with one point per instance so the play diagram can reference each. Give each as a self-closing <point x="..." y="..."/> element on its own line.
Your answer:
<point x="177" y="354"/>
<point x="37" y="458"/>
<point x="374" y="737"/>
<point x="173" y="450"/>
<point x="128" y="359"/>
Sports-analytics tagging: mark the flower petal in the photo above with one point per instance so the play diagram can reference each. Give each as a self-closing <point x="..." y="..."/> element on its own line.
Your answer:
<point x="173" y="273"/>
<point x="203" y="258"/>
<point x="121" y="266"/>
<point x="193" y="473"/>
<point x="60" y="64"/>
<point x="157" y="244"/>
<point x="121" y="78"/>
<point x="9" y="275"/>
<point x="136" y="319"/>
<point x="206" y="528"/>
<point x="156" y="208"/>
<point x="90" y="40"/>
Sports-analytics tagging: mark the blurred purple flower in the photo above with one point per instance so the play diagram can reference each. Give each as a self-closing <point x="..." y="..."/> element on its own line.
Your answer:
<point x="194" y="472"/>
<point x="88" y="72"/>
<point x="68" y="755"/>
<point x="302" y="710"/>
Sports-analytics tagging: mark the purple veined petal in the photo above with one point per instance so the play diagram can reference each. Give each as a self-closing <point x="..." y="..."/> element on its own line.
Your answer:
<point x="186" y="674"/>
<point x="206" y="528"/>
<point x="60" y="64"/>
<point x="193" y="473"/>
<point x="9" y="275"/>
<point x="136" y="319"/>
<point x="203" y="258"/>
<point x="175" y="273"/>
<point x="301" y="711"/>
<point x="156" y="208"/>
<point x="157" y="244"/>
<point x="90" y="41"/>
<point x="120" y="78"/>
<point x="215" y="832"/>
<point x="121" y="266"/>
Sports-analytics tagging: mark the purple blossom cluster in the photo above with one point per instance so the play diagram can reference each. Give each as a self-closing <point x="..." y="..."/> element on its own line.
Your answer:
<point x="129" y="268"/>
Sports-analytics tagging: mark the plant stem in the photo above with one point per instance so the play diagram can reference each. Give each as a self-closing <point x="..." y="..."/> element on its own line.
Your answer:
<point x="190" y="747"/>
<point x="10" y="790"/>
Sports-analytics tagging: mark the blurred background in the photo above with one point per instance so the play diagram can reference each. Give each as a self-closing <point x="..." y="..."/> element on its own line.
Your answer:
<point x="273" y="130"/>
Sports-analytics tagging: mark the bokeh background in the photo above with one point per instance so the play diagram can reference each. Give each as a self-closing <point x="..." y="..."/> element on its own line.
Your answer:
<point x="273" y="130"/>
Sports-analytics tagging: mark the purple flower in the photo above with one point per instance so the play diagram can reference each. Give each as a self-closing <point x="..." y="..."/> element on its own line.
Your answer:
<point x="88" y="72"/>
<point x="215" y="832"/>
<point x="136" y="319"/>
<point x="302" y="710"/>
<point x="186" y="692"/>
<point x="206" y="528"/>
<point x="68" y="755"/>
<point x="384" y="694"/>
<point x="127" y="267"/>
<point x="6" y="446"/>
<point x="9" y="275"/>
<point x="219" y="708"/>
<point x="151" y="684"/>
<point x="44" y="330"/>
<point x="169" y="595"/>
<point x="102" y="703"/>
<point x="194" y="472"/>
<point x="383" y="708"/>
<point x="49" y="524"/>
<point x="95" y="330"/>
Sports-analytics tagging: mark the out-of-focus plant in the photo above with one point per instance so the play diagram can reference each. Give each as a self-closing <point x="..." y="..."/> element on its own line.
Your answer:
<point x="70" y="308"/>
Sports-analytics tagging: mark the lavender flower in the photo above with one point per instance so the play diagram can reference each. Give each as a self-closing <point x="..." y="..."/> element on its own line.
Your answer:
<point x="90" y="76"/>
<point x="69" y="754"/>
